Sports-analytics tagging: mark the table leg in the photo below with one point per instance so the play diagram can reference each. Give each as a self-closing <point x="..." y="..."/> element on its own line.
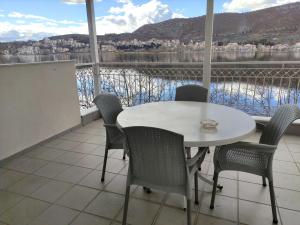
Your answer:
<point x="184" y="203"/>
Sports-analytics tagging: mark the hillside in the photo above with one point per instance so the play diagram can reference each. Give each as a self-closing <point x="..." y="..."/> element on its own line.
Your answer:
<point x="274" y="25"/>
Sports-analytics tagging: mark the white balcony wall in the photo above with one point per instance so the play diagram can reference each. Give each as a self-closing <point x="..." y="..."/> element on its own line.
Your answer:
<point x="37" y="101"/>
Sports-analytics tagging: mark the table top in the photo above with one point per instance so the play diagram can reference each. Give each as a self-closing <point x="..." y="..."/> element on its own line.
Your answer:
<point x="185" y="117"/>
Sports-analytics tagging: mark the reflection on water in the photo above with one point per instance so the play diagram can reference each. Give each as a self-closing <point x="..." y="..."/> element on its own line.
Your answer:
<point x="180" y="56"/>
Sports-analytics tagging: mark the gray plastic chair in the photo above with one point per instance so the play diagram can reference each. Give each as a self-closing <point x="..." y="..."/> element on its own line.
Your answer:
<point x="191" y="93"/>
<point x="110" y="107"/>
<point x="256" y="158"/>
<point x="157" y="160"/>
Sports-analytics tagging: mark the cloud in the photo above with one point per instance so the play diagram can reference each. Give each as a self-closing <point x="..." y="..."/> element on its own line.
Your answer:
<point x="74" y="2"/>
<point x="28" y="16"/>
<point x="126" y="17"/>
<point x="247" y="5"/>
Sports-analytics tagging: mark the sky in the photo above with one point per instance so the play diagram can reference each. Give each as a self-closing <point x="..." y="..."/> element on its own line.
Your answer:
<point x="23" y="20"/>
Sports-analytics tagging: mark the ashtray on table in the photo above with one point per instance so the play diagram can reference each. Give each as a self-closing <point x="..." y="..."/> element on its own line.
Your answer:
<point x="209" y="124"/>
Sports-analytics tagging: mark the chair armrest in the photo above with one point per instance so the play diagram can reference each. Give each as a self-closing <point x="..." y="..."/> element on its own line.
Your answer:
<point x="248" y="146"/>
<point x="260" y="126"/>
<point x="110" y="125"/>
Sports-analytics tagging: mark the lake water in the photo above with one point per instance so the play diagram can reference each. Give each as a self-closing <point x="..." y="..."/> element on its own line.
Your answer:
<point x="184" y="56"/>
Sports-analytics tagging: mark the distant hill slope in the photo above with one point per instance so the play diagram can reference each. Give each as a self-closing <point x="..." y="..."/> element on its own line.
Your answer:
<point x="280" y="24"/>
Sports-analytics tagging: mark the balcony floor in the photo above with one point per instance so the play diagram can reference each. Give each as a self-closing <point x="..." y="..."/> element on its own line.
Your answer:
<point x="59" y="184"/>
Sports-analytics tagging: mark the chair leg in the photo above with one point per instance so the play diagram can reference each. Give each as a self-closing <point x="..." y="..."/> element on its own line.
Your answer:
<point x="264" y="181"/>
<point x="147" y="190"/>
<point x="124" y="155"/>
<point x="188" y="152"/>
<point x="126" y="205"/>
<point x="104" y="164"/>
<point x="188" y="212"/>
<point x="196" y="188"/>
<point x="212" y="202"/>
<point x="272" y="195"/>
<point x="208" y="151"/>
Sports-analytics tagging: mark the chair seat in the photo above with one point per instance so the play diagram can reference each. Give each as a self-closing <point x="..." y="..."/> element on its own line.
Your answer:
<point x="242" y="160"/>
<point x="117" y="142"/>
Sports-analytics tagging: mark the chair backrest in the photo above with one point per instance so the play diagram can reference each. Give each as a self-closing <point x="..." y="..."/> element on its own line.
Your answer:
<point x="194" y="93"/>
<point x="279" y="123"/>
<point x="156" y="156"/>
<point x="109" y="107"/>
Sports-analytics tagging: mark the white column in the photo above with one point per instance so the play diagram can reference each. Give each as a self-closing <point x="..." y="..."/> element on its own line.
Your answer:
<point x="93" y="42"/>
<point x="208" y="43"/>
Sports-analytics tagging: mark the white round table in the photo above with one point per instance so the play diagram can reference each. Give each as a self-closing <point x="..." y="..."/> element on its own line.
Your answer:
<point x="185" y="117"/>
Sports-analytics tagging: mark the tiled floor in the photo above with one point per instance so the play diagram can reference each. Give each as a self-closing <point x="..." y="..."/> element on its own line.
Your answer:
<point x="59" y="184"/>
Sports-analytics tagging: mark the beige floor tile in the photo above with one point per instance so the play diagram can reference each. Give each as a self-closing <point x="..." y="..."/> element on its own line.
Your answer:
<point x="208" y="220"/>
<point x="45" y="153"/>
<point x="254" y="192"/>
<point x="72" y="136"/>
<point x="225" y="207"/>
<point x="177" y="200"/>
<point x="251" y="178"/>
<point x="171" y="216"/>
<point x="24" y="212"/>
<point x="93" y="179"/>
<point x="51" y="170"/>
<point x="285" y="167"/>
<point x="77" y="197"/>
<point x="87" y="219"/>
<point x="55" y="215"/>
<point x="154" y="196"/>
<point x="254" y="213"/>
<point x="2" y="171"/>
<point x="294" y="147"/>
<point x="124" y="171"/>
<point x="51" y="191"/>
<point x="225" y="174"/>
<point x="73" y="174"/>
<point x="116" y="153"/>
<point x="289" y="217"/>
<point x="7" y="200"/>
<point x="283" y="156"/>
<point x="66" y="145"/>
<point x="296" y="156"/>
<point x="100" y="150"/>
<point x="287" y="181"/>
<point x="282" y="146"/>
<point x="85" y="148"/>
<point x="229" y="187"/>
<point x="290" y="139"/>
<point x="70" y="157"/>
<point x="28" y="185"/>
<point x="140" y="212"/>
<point x="90" y="161"/>
<point x="25" y="164"/>
<point x="288" y="199"/>
<point x="53" y="143"/>
<point x="100" y="130"/>
<point x="106" y="205"/>
<point x="114" y="165"/>
<point x="96" y="139"/>
<point x="117" y="185"/>
<point x="9" y="178"/>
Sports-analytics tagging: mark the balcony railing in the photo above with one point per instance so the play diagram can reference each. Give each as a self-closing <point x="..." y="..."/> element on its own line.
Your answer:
<point x="257" y="88"/>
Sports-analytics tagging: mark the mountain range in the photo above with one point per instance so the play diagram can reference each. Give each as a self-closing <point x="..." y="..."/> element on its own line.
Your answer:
<point x="280" y="24"/>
